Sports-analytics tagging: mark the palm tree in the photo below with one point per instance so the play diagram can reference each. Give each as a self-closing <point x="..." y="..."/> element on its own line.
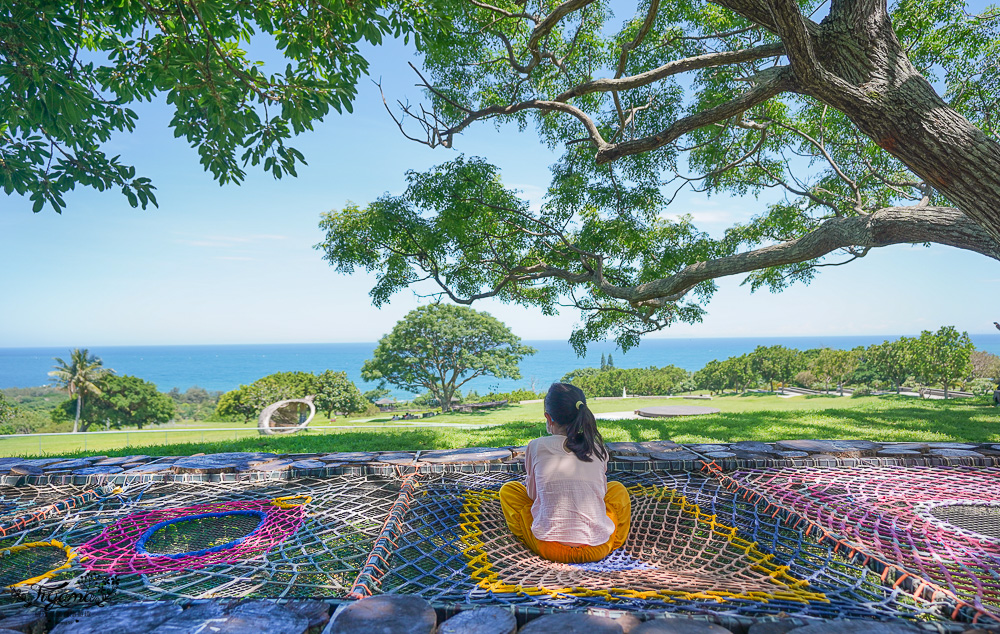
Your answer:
<point x="79" y="377"/>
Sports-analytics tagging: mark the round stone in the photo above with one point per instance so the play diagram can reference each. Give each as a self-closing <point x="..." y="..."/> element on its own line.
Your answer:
<point x="752" y="445"/>
<point x="679" y="626"/>
<point x="625" y="448"/>
<point x="222" y="462"/>
<point x="88" y="471"/>
<point x="720" y="454"/>
<point x="25" y="469"/>
<point x="119" y="619"/>
<point x="348" y="456"/>
<point x="793" y="454"/>
<point x="573" y="623"/>
<point x="386" y="614"/>
<point x="459" y="456"/>
<point x="273" y="465"/>
<point x="674" y="455"/>
<point x="68" y="464"/>
<point x="317" y="613"/>
<point x="670" y="411"/>
<point x="901" y="453"/>
<point x="950" y="445"/>
<point x="660" y="445"/>
<point x="25" y="622"/>
<point x="954" y="453"/>
<point x="772" y="627"/>
<point x="909" y="446"/>
<point x="488" y="620"/>
<point x="306" y="465"/>
<point x="838" y="448"/>
<point x="396" y="457"/>
<point x="629" y="458"/>
<point x="120" y="460"/>
<point x="754" y="455"/>
<point x="704" y="448"/>
<point x="150" y="468"/>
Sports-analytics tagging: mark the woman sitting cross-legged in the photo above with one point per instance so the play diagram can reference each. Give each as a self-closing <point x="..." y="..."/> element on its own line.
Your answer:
<point x="566" y="510"/>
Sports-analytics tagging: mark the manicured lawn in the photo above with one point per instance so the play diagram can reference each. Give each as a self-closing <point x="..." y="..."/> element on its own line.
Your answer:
<point x="749" y="417"/>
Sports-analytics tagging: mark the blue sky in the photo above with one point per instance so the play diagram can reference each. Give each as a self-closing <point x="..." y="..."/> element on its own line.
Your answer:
<point x="236" y="264"/>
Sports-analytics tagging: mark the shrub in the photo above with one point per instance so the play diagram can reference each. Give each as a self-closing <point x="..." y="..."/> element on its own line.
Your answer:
<point x="981" y="387"/>
<point x="806" y="379"/>
<point x="515" y="396"/>
<point x="650" y="381"/>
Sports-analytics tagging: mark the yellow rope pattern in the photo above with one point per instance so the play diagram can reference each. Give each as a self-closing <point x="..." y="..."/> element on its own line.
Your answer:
<point x="286" y="501"/>
<point x="789" y="588"/>
<point x="70" y="555"/>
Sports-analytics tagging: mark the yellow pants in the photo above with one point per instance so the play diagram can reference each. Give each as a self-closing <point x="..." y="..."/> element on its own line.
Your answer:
<point x="517" y="511"/>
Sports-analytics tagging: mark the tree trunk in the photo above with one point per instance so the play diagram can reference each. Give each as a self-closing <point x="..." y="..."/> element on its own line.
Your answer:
<point x="892" y="103"/>
<point x="76" y="422"/>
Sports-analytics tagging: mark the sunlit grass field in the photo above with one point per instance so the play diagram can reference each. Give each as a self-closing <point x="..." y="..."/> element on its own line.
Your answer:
<point x="744" y="417"/>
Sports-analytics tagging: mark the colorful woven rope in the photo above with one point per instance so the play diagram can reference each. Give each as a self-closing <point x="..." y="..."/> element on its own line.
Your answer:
<point x="122" y="547"/>
<point x="919" y="520"/>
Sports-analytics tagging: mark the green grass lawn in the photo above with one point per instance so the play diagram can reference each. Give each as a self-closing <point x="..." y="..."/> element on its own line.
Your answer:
<point x="747" y="417"/>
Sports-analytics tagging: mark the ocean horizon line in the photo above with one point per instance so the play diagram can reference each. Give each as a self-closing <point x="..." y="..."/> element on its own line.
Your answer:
<point x="222" y="367"/>
<point x="566" y="341"/>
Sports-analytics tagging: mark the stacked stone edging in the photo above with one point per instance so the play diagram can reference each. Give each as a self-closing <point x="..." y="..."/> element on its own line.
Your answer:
<point x="408" y="614"/>
<point x="625" y="456"/>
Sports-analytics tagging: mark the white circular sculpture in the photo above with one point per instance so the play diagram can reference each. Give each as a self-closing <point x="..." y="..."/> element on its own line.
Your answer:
<point x="286" y="417"/>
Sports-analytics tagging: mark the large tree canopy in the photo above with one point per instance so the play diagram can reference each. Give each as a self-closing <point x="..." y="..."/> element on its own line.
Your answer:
<point x="441" y="347"/>
<point x="878" y="124"/>
<point x="70" y="70"/>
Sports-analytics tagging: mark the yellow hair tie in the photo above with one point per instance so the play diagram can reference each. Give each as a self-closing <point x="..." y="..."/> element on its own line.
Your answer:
<point x="578" y="404"/>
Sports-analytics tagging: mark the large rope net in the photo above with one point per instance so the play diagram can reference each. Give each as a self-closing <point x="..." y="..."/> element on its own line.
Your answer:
<point x="918" y="544"/>
<point x="939" y="524"/>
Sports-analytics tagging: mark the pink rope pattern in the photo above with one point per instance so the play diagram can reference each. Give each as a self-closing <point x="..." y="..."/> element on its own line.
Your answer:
<point x="886" y="512"/>
<point x="114" y="550"/>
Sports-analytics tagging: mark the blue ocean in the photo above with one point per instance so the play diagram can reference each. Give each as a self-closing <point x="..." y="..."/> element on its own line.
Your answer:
<point x="224" y="368"/>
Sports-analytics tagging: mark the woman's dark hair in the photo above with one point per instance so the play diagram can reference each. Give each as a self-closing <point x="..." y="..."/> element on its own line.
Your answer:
<point x="567" y="406"/>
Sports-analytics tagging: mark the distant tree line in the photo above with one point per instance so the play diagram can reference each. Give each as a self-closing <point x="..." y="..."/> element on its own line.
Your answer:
<point x="943" y="359"/>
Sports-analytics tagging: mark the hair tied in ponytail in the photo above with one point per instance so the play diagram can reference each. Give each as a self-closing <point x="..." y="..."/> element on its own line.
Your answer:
<point x="566" y="404"/>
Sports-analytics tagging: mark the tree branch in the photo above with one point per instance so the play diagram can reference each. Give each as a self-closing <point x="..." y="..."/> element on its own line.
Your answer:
<point x="673" y="68"/>
<point x="771" y="82"/>
<point x="892" y="225"/>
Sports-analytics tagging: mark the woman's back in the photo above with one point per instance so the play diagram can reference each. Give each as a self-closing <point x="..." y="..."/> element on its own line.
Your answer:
<point x="568" y="494"/>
